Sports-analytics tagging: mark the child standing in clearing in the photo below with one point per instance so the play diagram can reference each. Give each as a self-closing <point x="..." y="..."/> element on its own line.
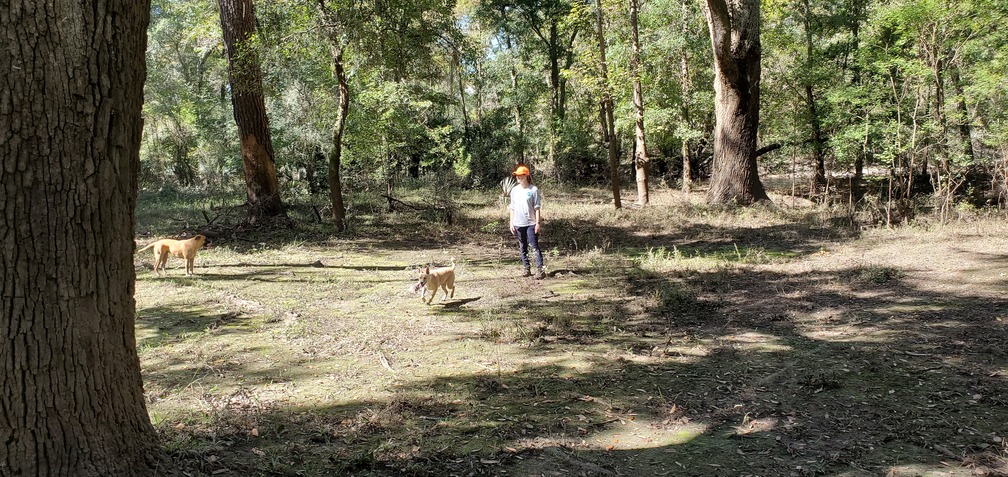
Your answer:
<point x="525" y="219"/>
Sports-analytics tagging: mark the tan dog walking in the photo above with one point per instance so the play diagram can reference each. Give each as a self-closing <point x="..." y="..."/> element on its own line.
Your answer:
<point x="185" y="249"/>
<point x="443" y="278"/>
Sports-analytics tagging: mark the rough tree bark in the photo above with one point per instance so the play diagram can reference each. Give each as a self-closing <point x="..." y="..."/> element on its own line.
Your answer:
<point x="734" y="31"/>
<point x="262" y="187"/>
<point x="640" y="144"/>
<point x="70" y="128"/>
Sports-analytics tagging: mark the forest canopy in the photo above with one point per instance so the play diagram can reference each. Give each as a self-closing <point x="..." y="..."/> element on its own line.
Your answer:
<point x="908" y="96"/>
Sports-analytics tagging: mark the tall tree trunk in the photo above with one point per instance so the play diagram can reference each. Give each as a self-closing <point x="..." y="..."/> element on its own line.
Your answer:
<point x="555" y="51"/>
<point x="70" y="127"/>
<point x="515" y="98"/>
<point x="478" y="87"/>
<point x="556" y="86"/>
<point x="336" y="155"/>
<point x="261" y="185"/>
<point x="819" y="179"/>
<point x="640" y="145"/>
<point x="962" y="119"/>
<point x="734" y="33"/>
<point x="856" y="15"/>
<point x="941" y="144"/>
<point x="457" y="65"/>
<point x="606" y="112"/>
<point x="518" y="117"/>
<point x="343" y="93"/>
<point x="568" y="62"/>
<point x="687" y="86"/>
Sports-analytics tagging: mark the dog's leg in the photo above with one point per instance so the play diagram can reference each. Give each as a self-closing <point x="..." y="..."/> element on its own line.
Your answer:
<point x="159" y="262"/>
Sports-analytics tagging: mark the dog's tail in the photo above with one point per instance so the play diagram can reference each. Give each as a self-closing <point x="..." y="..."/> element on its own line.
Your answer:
<point x="150" y="245"/>
<point x="453" y="263"/>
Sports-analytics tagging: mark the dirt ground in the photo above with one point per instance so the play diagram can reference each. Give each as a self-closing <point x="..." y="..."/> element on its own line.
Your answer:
<point x="669" y="340"/>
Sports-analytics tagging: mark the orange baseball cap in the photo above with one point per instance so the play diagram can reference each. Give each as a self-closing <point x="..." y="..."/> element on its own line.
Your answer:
<point x="520" y="171"/>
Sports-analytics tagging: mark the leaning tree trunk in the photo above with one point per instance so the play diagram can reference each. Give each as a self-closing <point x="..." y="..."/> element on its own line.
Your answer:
<point x="640" y="145"/>
<point x="262" y="187"/>
<point x="70" y="126"/>
<point x="734" y="33"/>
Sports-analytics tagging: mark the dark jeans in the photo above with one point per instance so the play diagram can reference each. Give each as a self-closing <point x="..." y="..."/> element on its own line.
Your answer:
<point x="527" y="237"/>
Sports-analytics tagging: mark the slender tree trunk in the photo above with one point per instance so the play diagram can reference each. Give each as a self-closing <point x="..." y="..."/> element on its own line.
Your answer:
<point x="568" y="62"/>
<point x="336" y="155"/>
<point x="965" y="132"/>
<point x="556" y="51"/>
<point x="687" y="87"/>
<point x="553" y="49"/>
<point x="518" y="116"/>
<point x="462" y="93"/>
<point x="640" y="144"/>
<point x="515" y="97"/>
<point x="816" y="130"/>
<point x="343" y="93"/>
<point x="734" y="33"/>
<point x="70" y="128"/>
<point x="856" y="15"/>
<point x="606" y="112"/>
<point x="261" y="184"/>
<point x="478" y="86"/>
<point x="941" y="144"/>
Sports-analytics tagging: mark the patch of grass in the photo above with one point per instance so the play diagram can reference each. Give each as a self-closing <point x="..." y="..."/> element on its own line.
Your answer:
<point x="877" y="274"/>
<point x="299" y="352"/>
<point x="669" y="300"/>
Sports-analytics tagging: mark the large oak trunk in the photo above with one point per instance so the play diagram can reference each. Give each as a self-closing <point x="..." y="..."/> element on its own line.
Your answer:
<point x="263" y="189"/>
<point x="70" y="127"/>
<point x="734" y="30"/>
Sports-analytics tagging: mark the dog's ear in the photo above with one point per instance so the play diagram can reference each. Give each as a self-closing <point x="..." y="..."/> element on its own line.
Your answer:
<point x="426" y="271"/>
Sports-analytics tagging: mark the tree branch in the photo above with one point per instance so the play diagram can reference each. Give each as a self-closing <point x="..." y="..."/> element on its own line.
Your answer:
<point x="768" y="148"/>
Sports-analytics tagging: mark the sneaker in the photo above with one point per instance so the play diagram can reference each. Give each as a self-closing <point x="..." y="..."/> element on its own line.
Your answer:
<point x="528" y="273"/>
<point x="540" y="274"/>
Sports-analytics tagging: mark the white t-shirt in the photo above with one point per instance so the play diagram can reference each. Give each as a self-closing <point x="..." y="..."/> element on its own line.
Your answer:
<point x="524" y="203"/>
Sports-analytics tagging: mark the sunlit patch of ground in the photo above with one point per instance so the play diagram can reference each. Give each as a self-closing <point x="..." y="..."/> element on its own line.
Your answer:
<point x="669" y="340"/>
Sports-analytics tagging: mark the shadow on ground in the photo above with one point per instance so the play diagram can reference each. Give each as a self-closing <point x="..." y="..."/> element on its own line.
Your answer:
<point x="847" y="372"/>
